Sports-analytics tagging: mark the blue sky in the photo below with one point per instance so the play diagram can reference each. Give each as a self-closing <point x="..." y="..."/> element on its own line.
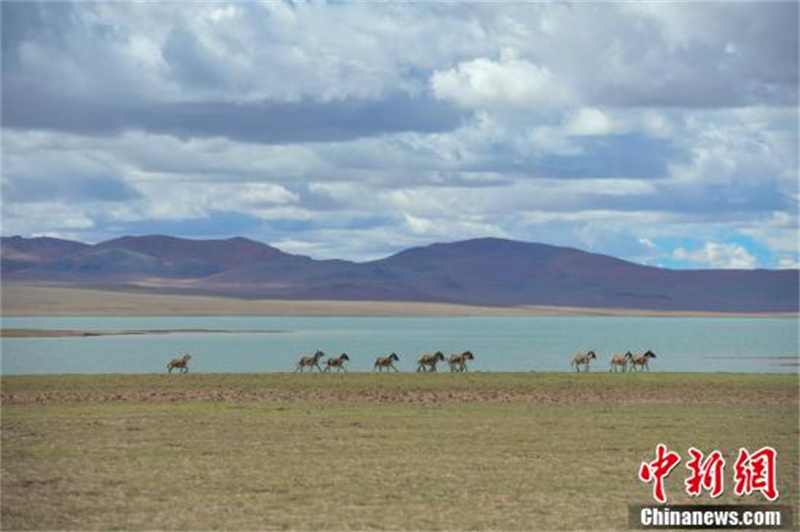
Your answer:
<point x="661" y="132"/>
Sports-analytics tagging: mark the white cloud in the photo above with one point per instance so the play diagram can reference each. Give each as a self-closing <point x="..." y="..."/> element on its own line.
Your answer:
<point x="718" y="255"/>
<point x="44" y="218"/>
<point x="789" y="263"/>
<point x="510" y="83"/>
<point x="548" y="95"/>
<point x="266" y="194"/>
<point x="646" y="242"/>
<point x="593" y="121"/>
<point x="589" y="121"/>
<point x="780" y="233"/>
<point x="744" y="145"/>
<point x="419" y="225"/>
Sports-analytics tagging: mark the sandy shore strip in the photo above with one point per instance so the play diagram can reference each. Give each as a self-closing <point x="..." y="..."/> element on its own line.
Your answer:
<point x="48" y="300"/>
<point x="67" y="333"/>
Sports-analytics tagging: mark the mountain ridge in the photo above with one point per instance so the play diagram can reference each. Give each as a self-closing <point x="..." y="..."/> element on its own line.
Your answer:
<point x="480" y="271"/>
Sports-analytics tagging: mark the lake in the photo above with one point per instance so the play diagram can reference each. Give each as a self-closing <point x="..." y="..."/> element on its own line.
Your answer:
<point x="529" y="343"/>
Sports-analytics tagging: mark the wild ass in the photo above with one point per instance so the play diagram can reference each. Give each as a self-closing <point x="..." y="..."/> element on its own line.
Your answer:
<point x="337" y="362"/>
<point x="310" y="362"/>
<point x="582" y="359"/>
<point x="642" y="361"/>
<point x="386" y="362"/>
<point x="459" y="362"/>
<point x="181" y="363"/>
<point x="428" y="362"/>
<point x="620" y="362"/>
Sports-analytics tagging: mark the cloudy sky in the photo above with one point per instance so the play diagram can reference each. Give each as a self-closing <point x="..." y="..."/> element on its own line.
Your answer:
<point x="664" y="133"/>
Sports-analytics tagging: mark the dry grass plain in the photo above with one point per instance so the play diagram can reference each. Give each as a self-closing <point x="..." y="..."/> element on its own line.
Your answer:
<point x="369" y="451"/>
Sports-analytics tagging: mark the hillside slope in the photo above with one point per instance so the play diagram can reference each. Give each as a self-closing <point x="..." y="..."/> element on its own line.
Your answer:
<point x="485" y="271"/>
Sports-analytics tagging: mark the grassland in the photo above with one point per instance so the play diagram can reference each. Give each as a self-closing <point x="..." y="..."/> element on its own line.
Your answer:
<point x="370" y="451"/>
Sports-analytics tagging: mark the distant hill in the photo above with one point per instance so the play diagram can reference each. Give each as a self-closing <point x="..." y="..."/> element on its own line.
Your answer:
<point x="485" y="271"/>
<point x="24" y="253"/>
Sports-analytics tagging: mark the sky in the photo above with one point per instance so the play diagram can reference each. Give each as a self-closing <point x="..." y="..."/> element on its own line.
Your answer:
<point x="664" y="133"/>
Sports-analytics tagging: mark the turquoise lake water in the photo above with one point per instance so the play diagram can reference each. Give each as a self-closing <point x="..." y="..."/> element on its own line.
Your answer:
<point x="499" y="343"/>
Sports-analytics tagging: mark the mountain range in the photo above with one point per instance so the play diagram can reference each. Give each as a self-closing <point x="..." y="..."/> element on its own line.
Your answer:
<point x="484" y="271"/>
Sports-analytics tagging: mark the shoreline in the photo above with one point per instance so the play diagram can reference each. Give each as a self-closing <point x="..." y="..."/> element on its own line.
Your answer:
<point x="49" y="300"/>
<point x="83" y="333"/>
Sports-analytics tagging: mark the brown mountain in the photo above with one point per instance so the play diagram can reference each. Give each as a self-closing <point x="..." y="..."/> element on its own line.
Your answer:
<point x="486" y="271"/>
<point x="19" y="253"/>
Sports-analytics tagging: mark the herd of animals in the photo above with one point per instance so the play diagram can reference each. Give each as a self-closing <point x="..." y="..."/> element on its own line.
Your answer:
<point x="428" y="363"/>
<point x="617" y="362"/>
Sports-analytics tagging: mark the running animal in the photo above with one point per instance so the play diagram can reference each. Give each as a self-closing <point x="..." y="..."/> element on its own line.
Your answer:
<point x="582" y="359"/>
<point x="459" y="362"/>
<point x="309" y="362"/>
<point x="181" y="363"/>
<point x="620" y="362"/>
<point x="429" y="362"/>
<point x="386" y="362"/>
<point x="337" y="362"/>
<point x="642" y="361"/>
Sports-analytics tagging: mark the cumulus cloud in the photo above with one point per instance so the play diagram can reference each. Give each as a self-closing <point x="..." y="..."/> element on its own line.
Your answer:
<point x="590" y="121"/>
<point x="788" y="263"/>
<point x="717" y="255"/>
<point x="594" y="121"/>
<point x="408" y="122"/>
<point x="510" y="83"/>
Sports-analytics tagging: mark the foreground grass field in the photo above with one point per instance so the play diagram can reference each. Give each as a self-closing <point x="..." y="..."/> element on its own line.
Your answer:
<point x="370" y="451"/>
